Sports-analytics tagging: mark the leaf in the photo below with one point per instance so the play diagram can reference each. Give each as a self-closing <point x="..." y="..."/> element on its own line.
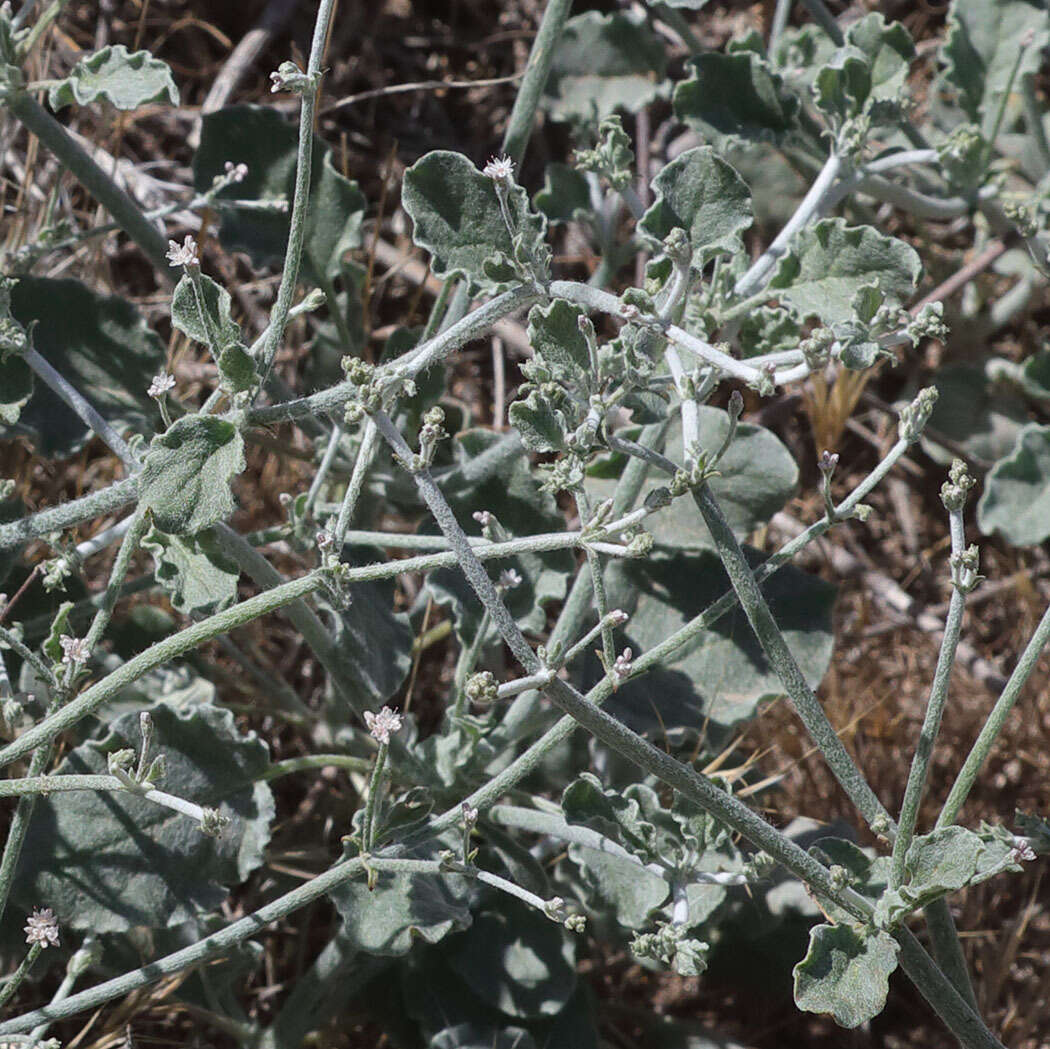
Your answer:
<point x="1016" y="497"/>
<point x="372" y="642"/>
<point x="260" y="138"/>
<point x="846" y="973"/>
<point x="401" y="909"/>
<point x="101" y="345"/>
<point x="615" y="815"/>
<point x="842" y="87"/>
<point x="889" y="51"/>
<point x="701" y="194"/>
<point x="516" y="960"/>
<point x="981" y="415"/>
<point x="983" y="45"/>
<point x="456" y="216"/>
<point x="565" y="196"/>
<point x="738" y="95"/>
<point x="186" y="475"/>
<point x="940" y="862"/>
<point x="722" y="674"/>
<point x="194" y="571"/>
<point x="559" y="345"/>
<point x="123" y="78"/>
<point x="829" y="262"/>
<point x="603" y="63"/>
<point x="109" y="862"/>
<point x="16" y="387"/>
<point x="631" y="891"/>
<point x="237" y="371"/>
<point x="186" y="312"/>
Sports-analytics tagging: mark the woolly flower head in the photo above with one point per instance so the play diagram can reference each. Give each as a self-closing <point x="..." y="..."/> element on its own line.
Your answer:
<point x="499" y="169"/>
<point x="42" y="928"/>
<point x="162" y="382"/>
<point x="74" y="649"/>
<point x="184" y="255"/>
<point x="381" y="725"/>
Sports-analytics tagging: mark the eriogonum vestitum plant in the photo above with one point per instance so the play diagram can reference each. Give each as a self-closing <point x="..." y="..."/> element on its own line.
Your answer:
<point x="586" y="568"/>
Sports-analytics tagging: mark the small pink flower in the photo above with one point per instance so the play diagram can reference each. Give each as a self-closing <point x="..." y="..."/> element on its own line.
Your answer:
<point x="74" y="649"/>
<point x="381" y="725"/>
<point x="186" y="255"/>
<point x="499" y="169"/>
<point x="162" y="382"/>
<point x="42" y="928"/>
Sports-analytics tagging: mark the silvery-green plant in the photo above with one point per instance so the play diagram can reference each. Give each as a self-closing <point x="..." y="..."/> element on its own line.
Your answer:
<point x="667" y="624"/>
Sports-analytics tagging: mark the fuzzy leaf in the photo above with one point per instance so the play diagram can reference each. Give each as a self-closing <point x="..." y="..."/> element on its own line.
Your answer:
<point x="941" y="862"/>
<point x="889" y="51"/>
<point x="237" y="371"/>
<point x="16" y="387"/>
<point x="123" y="78"/>
<point x="401" y="909"/>
<point x="109" y="862"/>
<point x="560" y="347"/>
<point x="193" y="570"/>
<point x="543" y="426"/>
<point x="846" y="973"/>
<point x="187" y="472"/>
<point x="981" y="415"/>
<point x="101" y="345"/>
<point x="259" y="137"/>
<point x="700" y="193"/>
<point x="516" y="960"/>
<point x="829" y="262"/>
<point x="631" y="891"/>
<point x="456" y="216"/>
<point x="983" y="46"/>
<point x="186" y="312"/>
<point x="603" y="63"/>
<point x="722" y="674"/>
<point x="1016" y="497"/>
<point x="736" y="94"/>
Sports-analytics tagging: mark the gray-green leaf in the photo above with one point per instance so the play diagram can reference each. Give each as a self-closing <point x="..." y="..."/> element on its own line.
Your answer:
<point x="194" y="571"/>
<point x="846" y="973"/>
<point x="213" y="314"/>
<point x="187" y="473"/>
<point x="603" y="63"/>
<point x="123" y="78"/>
<point x="700" y="193"/>
<point x="109" y="862"/>
<point x="1016" y="498"/>
<point x="829" y="262"/>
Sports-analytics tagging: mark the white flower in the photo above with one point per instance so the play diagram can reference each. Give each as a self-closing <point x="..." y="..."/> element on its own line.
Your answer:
<point x="182" y="256"/>
<point x="499" y="169"/>
<point x="74" y="649"/>
<point x="382" y="724"/>
<point x="324" y="540"/>
<point x="42" y="928"/>
<point x="162" y="382"/>
<point x="1022" y="852"/>
<point x="470" y="816"/>
<point x="509" y="579"/>
<point x="617" y="617"/>
<point x="235" y="172"/>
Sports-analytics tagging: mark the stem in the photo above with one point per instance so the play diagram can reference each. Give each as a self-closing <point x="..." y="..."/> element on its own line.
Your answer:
<point x="779" y="655"/>
<point x="824" y="18"/>
<point x="300" y="200"/>
<point x="86" y="413"/>
<point x="994" y="725"/>
<point x="527" y="101"/>
<point x="220" y="623"/>
<point x="365" y="455"/>
<point x="931" y="724"/>
<point x="315" y="761"/>
<point x="811" y="204"/>
<point x="322" y="471"/>
<point x="12" y="985"/>
<point x="372" y="801"/>
<point x="72" y="156"/>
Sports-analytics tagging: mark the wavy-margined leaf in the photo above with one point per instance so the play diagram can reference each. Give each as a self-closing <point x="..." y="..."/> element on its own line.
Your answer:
<point x="194" y="571"/>
<point x="125" y="79"/>
<point x="186" y="475"/>
<point x="888" y="50"/>
<point x="107" y="862"/>
<point x="263" y="140"/>
<point x="516" y="960"/>
<point x="846" y="973"/>
<point x="985" y="43"/>
<point x="101" y="345"/>
<point x="701" y="194"/>
<point x="401" y="909"/>
<point x="456" y="216"/>
<point x="721" y="674"/>
<point x="1016" y="497"/>
<point x="736" y="94"/>
<point x="603" y="63"/>
<point x="942" y="861"/>
<point x="829" y="262"/>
